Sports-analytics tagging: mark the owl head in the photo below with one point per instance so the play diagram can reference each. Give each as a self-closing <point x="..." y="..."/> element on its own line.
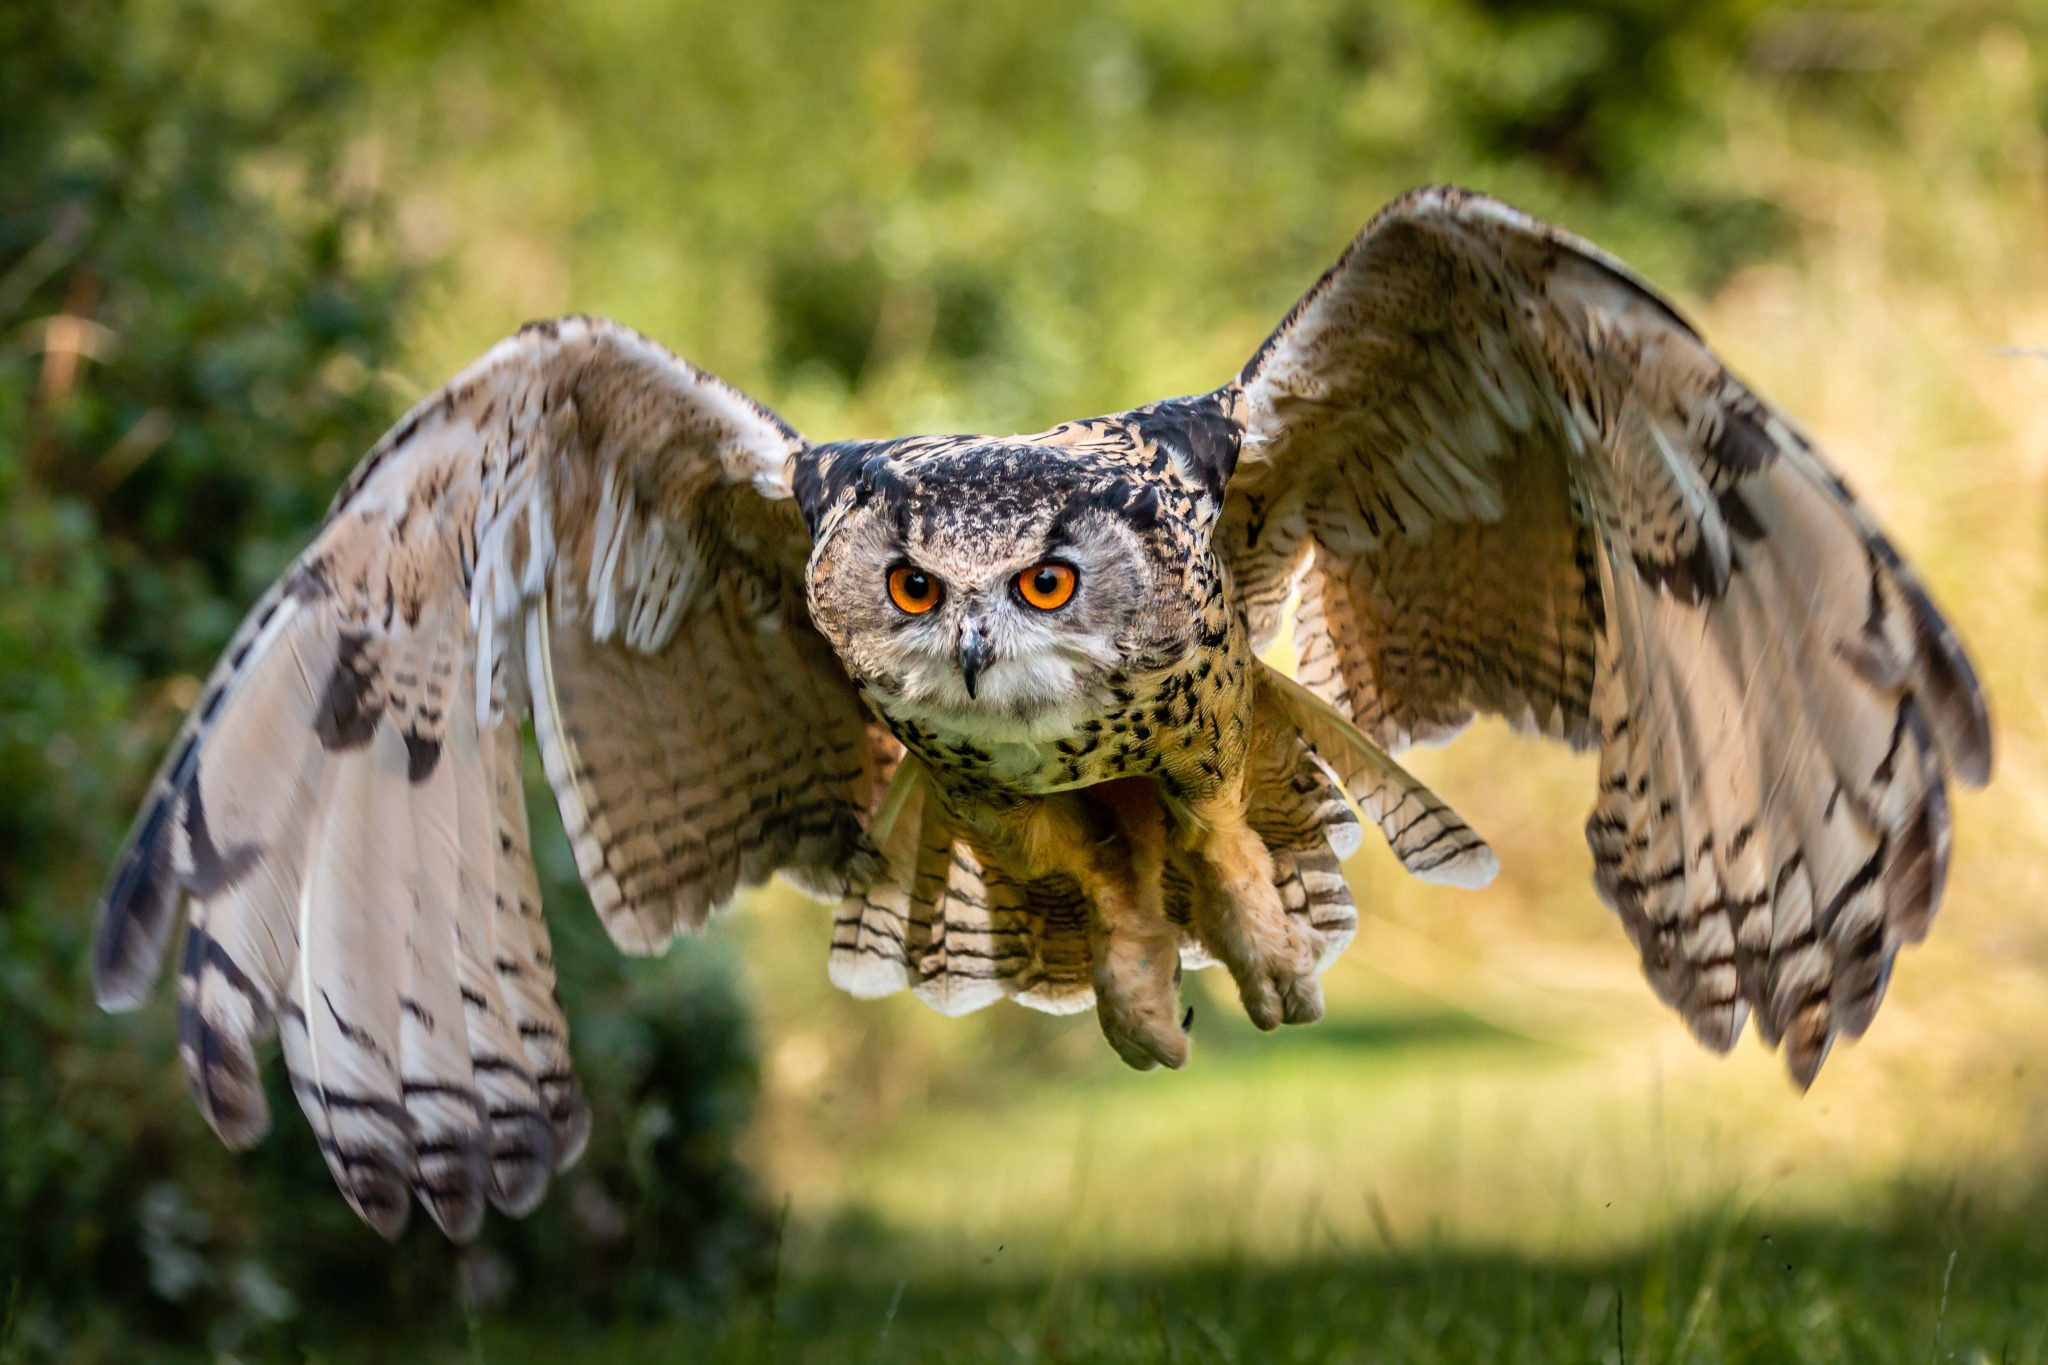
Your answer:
<point x="999" y="590"/>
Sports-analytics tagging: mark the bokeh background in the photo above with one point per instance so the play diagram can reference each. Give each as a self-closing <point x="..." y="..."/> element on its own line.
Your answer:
<point x="238" y="238"/>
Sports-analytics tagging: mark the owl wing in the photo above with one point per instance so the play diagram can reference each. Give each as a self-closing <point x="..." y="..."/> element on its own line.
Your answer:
<point x="1506" y="477"/>
<point x="580" y="524"/>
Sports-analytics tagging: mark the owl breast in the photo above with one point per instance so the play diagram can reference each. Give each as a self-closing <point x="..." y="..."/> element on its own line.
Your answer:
<point x="1184" y="725"/>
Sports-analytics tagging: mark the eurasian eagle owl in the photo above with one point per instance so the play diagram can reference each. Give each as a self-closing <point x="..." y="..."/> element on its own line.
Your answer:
<point x="999" y="697"/>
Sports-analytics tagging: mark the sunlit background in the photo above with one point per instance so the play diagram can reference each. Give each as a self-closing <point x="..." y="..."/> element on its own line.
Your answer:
<point x="237" y="239"/>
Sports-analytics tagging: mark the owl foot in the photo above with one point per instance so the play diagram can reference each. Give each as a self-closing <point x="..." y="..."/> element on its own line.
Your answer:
<point x="1137" y="999"/>
<point x="1275" y="974"/>
<point x="1242" y="920"/>
<point x="1271" y="954"/>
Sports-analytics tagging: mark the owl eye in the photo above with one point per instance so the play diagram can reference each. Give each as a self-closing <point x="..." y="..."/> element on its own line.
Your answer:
<point x="1048" y="586"/>
<point x="913" y="590"/>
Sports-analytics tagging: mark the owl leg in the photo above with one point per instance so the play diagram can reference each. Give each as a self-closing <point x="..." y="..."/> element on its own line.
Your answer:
<point x="1113" y="842"/>
<point x="1241" y="918"/>
<point x="1136" y="948"/>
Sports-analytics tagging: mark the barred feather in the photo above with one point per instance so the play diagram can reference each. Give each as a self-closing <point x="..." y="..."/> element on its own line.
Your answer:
<point x="342" y="821"/>
<point x="1508" y="478"/>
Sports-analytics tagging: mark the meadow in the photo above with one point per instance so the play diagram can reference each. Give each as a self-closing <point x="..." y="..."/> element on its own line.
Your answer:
<point x="1548" y="1180"/>
<point x="900" y="216"/>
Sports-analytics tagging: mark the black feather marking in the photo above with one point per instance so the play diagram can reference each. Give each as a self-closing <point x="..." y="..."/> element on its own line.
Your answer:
<point x="348" y="716"/>
<point x="355" y="1033"/>
<point x="307" y="582"/>
<point x="454" y="1090"/>
<point x="1861" y="971"/>
<point x="203" y="951"/>
<point x="221" y="1069"/>
<point x="349" y="1102"/>
<point x="215" y="1070"/>
<point x="1134" y="503"/>
<point x="422" y="753"/>
<point x="860" y="469"/>
<point x="1743" y="443"/>
<point x="1859" y="880"/>
<point x="1692" y="577"/>
<point x="135" y="920"/>
<point x="486" y="1063"/>
<point x="1917" y="869"/>
<point x="1739" y="515"/>
<point x="1955" y="694"/>
<point x="213" y="870"/>
<point x="818" y="478"/>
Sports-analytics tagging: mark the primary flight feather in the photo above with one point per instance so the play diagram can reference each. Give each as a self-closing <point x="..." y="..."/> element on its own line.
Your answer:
<point x="998" y="697"/>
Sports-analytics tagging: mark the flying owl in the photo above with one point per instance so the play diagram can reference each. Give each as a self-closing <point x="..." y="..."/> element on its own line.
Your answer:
<point x="1000" y="698"/>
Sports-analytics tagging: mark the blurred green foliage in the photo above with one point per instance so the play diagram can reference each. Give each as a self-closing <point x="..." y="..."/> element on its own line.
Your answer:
<point x="237" y="238"/>
<point x="194" y="302"/>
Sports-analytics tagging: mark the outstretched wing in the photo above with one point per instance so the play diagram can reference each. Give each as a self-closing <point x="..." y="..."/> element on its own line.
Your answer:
<point x="1506" y="477"/>
<point x="580" y="524"/>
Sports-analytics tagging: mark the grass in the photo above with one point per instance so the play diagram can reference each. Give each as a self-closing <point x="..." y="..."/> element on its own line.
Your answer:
<point x="1716" y="1290"/>
<point x="1544" y="1180"/>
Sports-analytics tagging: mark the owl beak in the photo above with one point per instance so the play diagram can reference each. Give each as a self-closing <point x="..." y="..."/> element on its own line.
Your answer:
<point x="973" y="654"/>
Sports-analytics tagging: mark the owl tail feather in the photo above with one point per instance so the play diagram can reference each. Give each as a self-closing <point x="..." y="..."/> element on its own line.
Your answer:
<point x="951" y="923"/>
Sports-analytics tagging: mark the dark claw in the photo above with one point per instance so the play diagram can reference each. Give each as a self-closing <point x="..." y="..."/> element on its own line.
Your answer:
<point x="1187" y="1021"/>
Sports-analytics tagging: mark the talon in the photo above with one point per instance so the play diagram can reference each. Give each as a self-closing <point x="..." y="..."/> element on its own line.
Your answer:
<point x="1187" y="1021"/>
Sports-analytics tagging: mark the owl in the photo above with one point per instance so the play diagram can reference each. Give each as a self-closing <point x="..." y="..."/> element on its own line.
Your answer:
<point x="1001" y="700"/>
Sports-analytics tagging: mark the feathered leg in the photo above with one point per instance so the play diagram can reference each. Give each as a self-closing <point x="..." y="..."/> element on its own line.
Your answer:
<point x="1240" y="914"/>
<point x="1112" y="841"/>
<point x="1135" y="946"/>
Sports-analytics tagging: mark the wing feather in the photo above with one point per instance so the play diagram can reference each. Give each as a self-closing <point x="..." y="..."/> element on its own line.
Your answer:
<point x="342" y="1018"/>
<point x="581" y="523"/>
<point x="451" y="1119"/>
<point x="1506" y="477"/>
<point x="1432" y="841"/>
<point x="529" y="984"/>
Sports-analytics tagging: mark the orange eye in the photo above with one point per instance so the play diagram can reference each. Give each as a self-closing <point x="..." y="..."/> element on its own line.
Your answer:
<point x="1048" y="586"/>
<point x="913" y="590"/>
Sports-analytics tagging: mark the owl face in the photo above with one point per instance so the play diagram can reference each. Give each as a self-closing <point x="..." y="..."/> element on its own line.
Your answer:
<point x="990" y="594"/>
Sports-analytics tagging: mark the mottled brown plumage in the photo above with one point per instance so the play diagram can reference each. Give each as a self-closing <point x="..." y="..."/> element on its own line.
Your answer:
<point x="998" y="696"/>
